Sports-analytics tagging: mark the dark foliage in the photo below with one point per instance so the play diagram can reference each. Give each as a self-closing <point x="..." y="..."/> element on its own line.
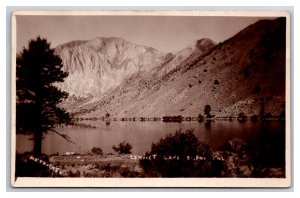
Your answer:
<point x="126" y="172"/>
<point x="207" y="110"/>
<point x="200" y="118"/>
<point x="242" y="117"/>
<point x="97" y="151"/>
<point x="123" y="148"/>
<point x="180" y="155"/>
<point x="254" y="118"/>
<point x="37" y="111"/>
<point x="268" y="116"/>
<point x="178" y="118"/>
<point x="30" y="168"/>
<point x="235" y="145"/>
<point x="107" y="122"/>
<point x="188" y="119"/>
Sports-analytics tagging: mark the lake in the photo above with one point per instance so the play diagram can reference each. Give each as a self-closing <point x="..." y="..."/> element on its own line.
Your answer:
<point x="265" y="137"/>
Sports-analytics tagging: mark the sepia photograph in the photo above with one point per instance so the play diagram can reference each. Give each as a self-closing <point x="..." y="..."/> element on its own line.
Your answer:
<point x="150" y="99"/>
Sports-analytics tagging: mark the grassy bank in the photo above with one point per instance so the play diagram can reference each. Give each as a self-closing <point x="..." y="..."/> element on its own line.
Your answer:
<point x="108" y="165"/>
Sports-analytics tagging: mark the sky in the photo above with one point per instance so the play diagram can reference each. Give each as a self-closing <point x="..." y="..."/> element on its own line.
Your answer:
<point x="164" y="33"/>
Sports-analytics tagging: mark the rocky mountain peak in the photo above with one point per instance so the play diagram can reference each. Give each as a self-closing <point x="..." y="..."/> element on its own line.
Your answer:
<point x="102" y="63"/>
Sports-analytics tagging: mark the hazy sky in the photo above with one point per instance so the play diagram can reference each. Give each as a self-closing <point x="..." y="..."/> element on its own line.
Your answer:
<point x="166" y="34"/>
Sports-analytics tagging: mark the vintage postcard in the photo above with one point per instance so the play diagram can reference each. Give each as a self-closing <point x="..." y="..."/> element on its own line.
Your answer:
<point x="151" y="99"/>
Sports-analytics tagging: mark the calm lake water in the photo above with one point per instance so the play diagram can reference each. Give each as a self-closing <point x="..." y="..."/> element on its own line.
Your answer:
<point x="266" y="137"/>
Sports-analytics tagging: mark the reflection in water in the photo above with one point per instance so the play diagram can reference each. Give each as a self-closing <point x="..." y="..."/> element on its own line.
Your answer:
<point x="207" y="125"/>
<point x="270" y="149"/>
<point x="266" y="140"/>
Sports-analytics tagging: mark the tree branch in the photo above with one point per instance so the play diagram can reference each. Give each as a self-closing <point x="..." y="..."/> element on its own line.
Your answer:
<point x="66" y="137"/>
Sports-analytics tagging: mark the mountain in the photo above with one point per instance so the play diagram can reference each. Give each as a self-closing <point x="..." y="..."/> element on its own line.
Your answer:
<point x="245" y="73"/>
<point x="101" y="64"/>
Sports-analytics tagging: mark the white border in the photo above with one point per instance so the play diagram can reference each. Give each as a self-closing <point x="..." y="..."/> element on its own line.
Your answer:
<point x="154" y="182"/>
<point x="260" y="13"/>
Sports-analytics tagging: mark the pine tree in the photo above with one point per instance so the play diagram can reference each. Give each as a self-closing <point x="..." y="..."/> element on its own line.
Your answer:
<point x="207" y="110"/>
<point x="37" y="110"/>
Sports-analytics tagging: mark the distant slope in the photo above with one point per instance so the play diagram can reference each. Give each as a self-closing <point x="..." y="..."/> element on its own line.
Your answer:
<point x="234" y="76"/>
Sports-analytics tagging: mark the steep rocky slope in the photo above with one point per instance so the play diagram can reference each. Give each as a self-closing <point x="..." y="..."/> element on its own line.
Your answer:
<point x="242" y="74"/>
<point x="98" y="66"/>
<point x="101" y="64"/>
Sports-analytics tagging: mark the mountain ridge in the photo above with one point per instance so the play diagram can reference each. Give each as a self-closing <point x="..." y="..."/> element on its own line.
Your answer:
<point x="233" y="76"/>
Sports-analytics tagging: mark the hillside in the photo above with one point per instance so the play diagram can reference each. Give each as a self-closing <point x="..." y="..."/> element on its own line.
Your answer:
<point x="234" y="76"/>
